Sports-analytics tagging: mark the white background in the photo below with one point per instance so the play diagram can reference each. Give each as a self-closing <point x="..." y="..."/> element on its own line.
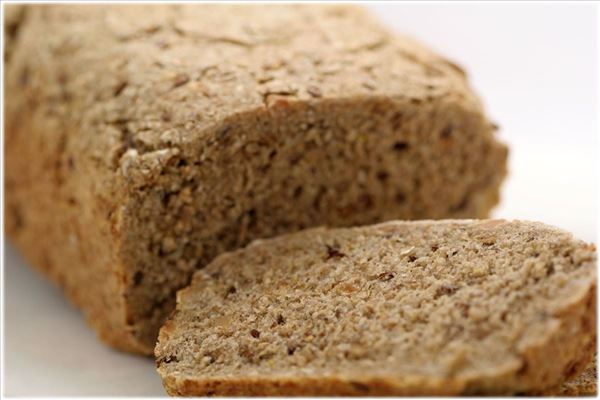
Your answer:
<point x="535" y="66"/>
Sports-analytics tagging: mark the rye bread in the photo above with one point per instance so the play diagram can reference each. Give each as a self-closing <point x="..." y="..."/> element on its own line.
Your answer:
<point x="400" y="308"/>
<point x="142" y="141"/>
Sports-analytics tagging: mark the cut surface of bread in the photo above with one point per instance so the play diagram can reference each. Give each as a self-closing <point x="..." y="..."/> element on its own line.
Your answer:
<point x="143" y="140"/>
<point x="401" y="308"/>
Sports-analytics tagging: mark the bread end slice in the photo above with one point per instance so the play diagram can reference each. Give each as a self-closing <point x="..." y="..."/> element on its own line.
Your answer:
<point x="400" y="308"/>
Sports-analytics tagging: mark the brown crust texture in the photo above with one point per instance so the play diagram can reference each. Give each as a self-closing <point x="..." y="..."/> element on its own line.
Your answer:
<point x="501" y="307"/>
<point x="142" y="141"/>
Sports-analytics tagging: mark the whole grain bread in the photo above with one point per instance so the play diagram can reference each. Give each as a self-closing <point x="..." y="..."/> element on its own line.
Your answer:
<point x="142" y="141"/>
<point x="400" y="308"/>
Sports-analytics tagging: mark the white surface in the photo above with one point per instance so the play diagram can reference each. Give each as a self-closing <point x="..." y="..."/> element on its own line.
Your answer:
<point x="50" y="350"/>
<point x="535" y="67"/>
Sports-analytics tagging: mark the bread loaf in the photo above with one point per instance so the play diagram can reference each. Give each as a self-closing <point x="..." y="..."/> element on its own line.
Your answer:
<point x="142" y="141"/>
<point x="400" y="308"/>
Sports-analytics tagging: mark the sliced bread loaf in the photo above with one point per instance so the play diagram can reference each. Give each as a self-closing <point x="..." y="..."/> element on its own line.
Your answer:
<point x="143" y="140"/>
<point x="400" y="308"/>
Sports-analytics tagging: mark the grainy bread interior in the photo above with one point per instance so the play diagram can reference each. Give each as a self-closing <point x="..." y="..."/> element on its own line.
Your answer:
<point x="142" y="141"/>
<point x="403" y="308"/>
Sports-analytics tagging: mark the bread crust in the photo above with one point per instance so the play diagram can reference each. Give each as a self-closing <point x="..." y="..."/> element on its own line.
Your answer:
<point x="121" y="128"/>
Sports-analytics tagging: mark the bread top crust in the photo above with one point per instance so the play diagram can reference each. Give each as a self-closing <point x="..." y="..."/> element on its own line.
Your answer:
<point x="148" y="79"/>
<point x="399" y="308"/>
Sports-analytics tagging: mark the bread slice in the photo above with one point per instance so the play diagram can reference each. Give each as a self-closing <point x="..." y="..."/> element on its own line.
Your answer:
<point x="400" y="308"/>
<point x="142" y="141"/>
